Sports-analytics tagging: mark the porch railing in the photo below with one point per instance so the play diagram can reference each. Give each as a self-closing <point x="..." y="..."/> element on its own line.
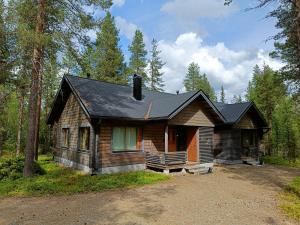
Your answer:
<point x="166" y="159"/>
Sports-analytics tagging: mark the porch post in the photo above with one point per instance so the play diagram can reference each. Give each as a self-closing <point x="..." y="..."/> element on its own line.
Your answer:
<point x="166" y="139"/>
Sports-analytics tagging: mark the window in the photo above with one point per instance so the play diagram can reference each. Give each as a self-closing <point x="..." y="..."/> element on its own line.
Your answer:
<point x="84" y="138"/>
<point x="249" y="138"/>
<point x="66" y="137"/>
<point x="125" y="139"/>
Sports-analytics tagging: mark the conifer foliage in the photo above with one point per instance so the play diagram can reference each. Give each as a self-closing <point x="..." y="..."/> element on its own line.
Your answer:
<point x="138" y="60"/>
<point x="155" y="66"/>
<point x="194" y="81"/>
<point x="109" y="57"/>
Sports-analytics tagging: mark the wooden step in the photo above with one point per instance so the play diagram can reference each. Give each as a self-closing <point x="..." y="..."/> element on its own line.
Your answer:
<point x="199" y="168"/>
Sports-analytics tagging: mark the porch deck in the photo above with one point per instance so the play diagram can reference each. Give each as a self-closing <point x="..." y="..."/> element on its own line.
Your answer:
<point x="175" y="160"/>
<point x="170" y="160"/>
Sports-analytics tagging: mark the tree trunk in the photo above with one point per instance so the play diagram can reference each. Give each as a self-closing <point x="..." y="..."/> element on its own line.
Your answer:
<point x="34" y="89"/>
<point x="20" y="122"/>
<point x="298" y="28"/>
<point x="36" y="142"/>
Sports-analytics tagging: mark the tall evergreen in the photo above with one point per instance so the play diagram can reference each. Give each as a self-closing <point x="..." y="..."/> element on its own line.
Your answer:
<point x="156" y="64"/>
<point x="4" y="51"/>
<point x="109" y="57"/>
<point x="194" y="80"/>
<point x="192" y="77"/>
<point x="47" y="28"/>
<point x="138" y="61"/>
<point x="222" y="97"/>
<point x="266" y="90"/>
<point x="205" y="86"/>
<point x="286" y="128"/>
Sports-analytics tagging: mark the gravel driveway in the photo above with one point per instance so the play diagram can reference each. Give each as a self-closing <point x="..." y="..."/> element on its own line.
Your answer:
<point x="234" y="195"/>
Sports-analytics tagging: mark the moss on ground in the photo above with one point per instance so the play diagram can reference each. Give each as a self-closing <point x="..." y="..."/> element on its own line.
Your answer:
<point x="60" y="180"/>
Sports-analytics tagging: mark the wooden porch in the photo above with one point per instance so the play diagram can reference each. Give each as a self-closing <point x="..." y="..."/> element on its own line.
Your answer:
<point x="162" y="160"/>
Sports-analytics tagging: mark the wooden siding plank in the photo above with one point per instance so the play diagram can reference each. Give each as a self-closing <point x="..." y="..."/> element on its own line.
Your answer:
<point x="195" y="114"/>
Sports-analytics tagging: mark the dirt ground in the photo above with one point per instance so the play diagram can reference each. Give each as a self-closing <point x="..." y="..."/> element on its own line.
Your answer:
<point x="235" y="195"/>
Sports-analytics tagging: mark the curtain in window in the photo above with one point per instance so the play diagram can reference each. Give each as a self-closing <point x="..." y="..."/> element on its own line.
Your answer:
<point x="118" y="138"/>
<point x="131" y="138"/>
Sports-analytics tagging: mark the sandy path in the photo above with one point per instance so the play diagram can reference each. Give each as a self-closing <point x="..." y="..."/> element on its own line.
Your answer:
<point x="236" y="195"/>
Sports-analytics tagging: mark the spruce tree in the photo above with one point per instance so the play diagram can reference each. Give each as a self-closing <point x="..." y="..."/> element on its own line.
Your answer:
<point x="265" y="90"/>
<point x="194" y="81"/>
<point x="204" y="85"/>
<point x="138" y="61"/>
<point x="192" y="77"/>
<point x="156" y="64"/>
<point x="109" y="57"/>
<point x="222" y="97"/>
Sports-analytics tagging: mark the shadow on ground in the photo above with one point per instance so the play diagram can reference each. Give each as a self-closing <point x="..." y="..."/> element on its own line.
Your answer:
<point x="273" y="177"/>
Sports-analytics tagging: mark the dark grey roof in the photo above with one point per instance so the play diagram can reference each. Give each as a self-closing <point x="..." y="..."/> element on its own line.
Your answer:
<point x="106" y="100"/>
<point x="233" y="112"/>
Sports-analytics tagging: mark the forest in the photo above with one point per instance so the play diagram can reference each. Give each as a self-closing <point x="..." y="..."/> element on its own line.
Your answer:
<point x="42" y="40"/>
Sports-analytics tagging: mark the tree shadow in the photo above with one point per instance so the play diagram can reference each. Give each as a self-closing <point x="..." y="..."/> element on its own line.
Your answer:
<point x="271" y="177"/>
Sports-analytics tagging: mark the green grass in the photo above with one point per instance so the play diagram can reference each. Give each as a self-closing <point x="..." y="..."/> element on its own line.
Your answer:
<point x="278" y="160"/>
<point x="60" y="180"/>
<point x="290" y="199"/>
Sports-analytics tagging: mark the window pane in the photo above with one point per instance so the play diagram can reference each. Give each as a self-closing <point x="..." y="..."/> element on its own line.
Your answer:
<point x="65" y="134"/>
<point x="118" y="139"/>
<point x="84" y="136"/>
<point x="131" y="138"/>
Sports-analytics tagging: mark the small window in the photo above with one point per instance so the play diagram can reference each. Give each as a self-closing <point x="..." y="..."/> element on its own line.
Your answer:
<point x="125" y="139"/>
<point x="84" y="138"/>
<point x="66" y="137"/>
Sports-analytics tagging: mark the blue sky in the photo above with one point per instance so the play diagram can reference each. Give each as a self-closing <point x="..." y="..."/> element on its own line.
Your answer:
<point x="226" y="41"/>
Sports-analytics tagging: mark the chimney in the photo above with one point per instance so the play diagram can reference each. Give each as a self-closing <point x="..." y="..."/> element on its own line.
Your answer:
<point x="137" y="87"/>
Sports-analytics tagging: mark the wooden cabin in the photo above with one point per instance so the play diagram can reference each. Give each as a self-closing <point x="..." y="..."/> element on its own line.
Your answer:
<point x="239" y="137"/>
<point x="101" y="127"/>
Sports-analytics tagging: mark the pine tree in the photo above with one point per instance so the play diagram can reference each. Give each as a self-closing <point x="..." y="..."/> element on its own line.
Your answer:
<point x="192" y="77"/>
<point x="222" y="97"/>
<point x="109" y="57"/>
<point x="156" y="64"/>
<point x="51" y="27"/>
<point x="137" y="61"/>
<point x="194" y="81"/>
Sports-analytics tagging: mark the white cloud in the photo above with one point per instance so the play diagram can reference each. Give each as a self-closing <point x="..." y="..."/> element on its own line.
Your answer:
<point x="118" y="3"/>
<point x="126" y="28"/>
<point x="194" y="9"/>
<point x="223" y="66"/>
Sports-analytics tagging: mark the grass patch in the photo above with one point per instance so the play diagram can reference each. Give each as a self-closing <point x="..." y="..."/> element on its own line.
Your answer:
<point x="290" y="199"/>
<point x="278" y="160"/>
<point x="60" y="180"/>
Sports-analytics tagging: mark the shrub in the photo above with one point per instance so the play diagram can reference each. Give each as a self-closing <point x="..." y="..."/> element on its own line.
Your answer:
<point x="12" y="168"/>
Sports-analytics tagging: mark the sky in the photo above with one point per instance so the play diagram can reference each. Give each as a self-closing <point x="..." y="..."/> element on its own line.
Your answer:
<point x="226" y="41"/>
